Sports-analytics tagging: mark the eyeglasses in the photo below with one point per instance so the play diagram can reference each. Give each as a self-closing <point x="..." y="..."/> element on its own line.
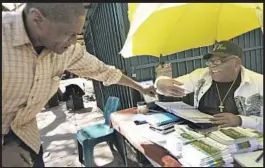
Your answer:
<point x="217" y="61"/>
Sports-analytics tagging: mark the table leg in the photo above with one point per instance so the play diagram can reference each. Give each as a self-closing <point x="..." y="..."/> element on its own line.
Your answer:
<point x="124" y="152"/>
<point x="121" y="147"/>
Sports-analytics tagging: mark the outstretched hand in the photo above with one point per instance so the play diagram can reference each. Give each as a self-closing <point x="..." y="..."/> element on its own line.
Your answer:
<point x="170" y="87"/>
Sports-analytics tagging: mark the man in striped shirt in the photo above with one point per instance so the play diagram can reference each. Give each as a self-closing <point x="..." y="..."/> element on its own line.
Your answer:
<point x="38" y="45"/>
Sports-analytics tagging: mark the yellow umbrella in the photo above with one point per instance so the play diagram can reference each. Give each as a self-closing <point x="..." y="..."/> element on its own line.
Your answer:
<point x="167" y="28"/>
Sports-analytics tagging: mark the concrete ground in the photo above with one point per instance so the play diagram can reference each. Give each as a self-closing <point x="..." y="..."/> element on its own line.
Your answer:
<point x="58" y="128"/>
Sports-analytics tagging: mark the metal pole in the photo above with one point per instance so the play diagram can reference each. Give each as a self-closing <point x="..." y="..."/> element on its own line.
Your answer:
<point x="259" y="13"/>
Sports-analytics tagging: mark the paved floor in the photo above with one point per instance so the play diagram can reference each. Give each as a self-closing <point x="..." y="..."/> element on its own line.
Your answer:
<point x="58" y="128"/>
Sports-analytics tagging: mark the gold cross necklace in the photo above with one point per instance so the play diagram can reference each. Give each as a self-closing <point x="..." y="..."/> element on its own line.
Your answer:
<point x="221" y="107"/>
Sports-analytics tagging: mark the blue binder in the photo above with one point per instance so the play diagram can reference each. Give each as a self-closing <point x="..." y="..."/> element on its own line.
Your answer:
<point x="162" y="118"/>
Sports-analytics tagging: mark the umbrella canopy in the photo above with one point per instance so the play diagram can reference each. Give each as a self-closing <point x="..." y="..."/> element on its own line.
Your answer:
<point x="167" y="28"/>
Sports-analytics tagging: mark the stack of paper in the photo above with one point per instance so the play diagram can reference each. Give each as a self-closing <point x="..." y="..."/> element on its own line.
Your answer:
<point x="216" y="149"/>
<point x="162" y="123"/>
<point x="260" y="137"/>
<point x="185" y="111"/>
<point x="206" y="152"/>
<point x="186" y="135"/>
<point x="237" y="139"/>
<point x="197" y="152"/>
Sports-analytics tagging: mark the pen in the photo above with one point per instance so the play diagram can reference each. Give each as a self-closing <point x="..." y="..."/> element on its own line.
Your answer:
<point x="260" y="157"/>
<point x="203" y="118"/>
<point x="188" y="142"/>
<point x="155" y="111"/>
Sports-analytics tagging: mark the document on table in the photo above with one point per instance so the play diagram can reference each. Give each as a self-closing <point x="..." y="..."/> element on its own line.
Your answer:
<point x="153" y="136"/>
<point x="157" y="138"/>
<point x="162" y="140"/>
<point x="185" y="111"/>
<point x="249" y="159"/>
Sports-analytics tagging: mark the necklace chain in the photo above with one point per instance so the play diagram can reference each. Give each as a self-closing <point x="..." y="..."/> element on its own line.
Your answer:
<point x="222" y="101"/>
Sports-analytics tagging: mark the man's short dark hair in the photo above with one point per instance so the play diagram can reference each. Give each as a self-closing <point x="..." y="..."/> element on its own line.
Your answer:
<point x="60" y="12"/>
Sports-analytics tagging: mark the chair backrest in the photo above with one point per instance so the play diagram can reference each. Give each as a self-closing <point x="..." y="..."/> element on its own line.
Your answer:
<point x="111" y="106"/>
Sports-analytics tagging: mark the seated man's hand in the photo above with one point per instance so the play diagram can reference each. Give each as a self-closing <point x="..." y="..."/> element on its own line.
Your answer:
<point x="226" y="120"/>
<point x="171" y="87"/>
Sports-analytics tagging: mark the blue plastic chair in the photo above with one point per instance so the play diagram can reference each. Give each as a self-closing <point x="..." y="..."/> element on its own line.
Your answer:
<point x="90" y="136"/>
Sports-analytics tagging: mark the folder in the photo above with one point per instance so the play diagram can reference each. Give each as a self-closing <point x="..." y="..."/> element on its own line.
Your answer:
<point x="158" y="119"/>
<point x="185" y="111"/>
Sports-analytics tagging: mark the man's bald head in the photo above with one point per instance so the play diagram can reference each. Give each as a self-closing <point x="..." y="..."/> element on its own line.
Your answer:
<point x="54" y="25"/>
<point x="58" y="12"/>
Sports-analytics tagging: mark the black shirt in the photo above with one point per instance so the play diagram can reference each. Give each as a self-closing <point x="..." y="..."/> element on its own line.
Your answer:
<point x="209" y="103"/>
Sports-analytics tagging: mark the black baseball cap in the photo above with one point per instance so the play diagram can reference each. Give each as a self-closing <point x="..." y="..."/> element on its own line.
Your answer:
<point x="224" y="49"/>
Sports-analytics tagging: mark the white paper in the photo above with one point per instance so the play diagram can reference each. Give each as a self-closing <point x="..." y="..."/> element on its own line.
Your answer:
<point x="175" y="144"/>
<point x="153" y="136"/>
<point x="248" y="159"/>
<point x="163" y="140"/>
<point x="148" y="99"/>
<point x="174" y="105"/>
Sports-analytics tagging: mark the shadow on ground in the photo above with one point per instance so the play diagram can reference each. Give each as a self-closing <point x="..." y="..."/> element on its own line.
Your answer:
<point x="60" y="118"/>
<point x="83" y="110"/>
<point x="58" y="128"/>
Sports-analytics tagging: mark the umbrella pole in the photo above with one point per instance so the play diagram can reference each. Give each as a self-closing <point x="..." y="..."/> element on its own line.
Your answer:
<point x="259" y="13"/>
<point x="160" y="61"/>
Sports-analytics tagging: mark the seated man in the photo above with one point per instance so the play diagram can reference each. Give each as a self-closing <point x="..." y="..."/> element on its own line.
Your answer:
<point x="225" y="89"/>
